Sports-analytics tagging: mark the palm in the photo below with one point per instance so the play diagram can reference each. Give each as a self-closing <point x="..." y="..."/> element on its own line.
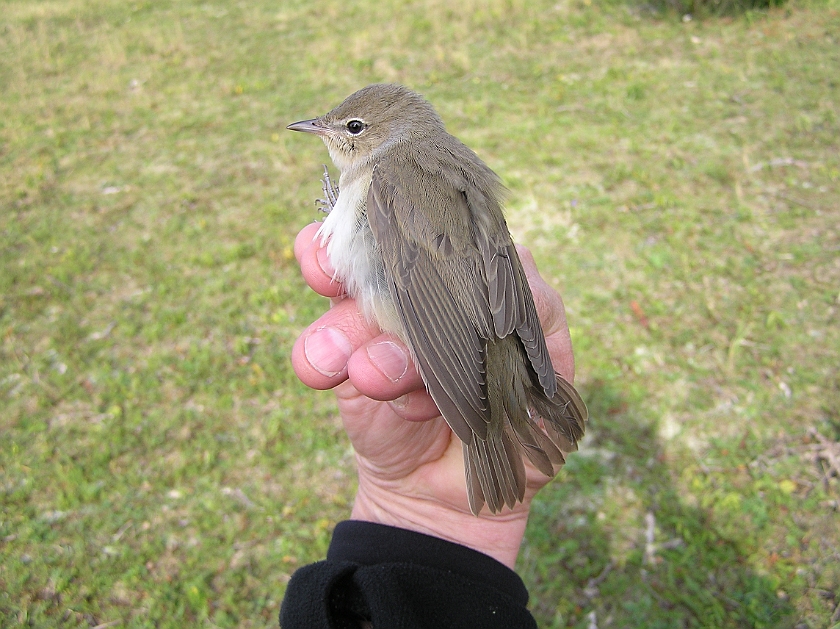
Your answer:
<point x="422" y="458"/>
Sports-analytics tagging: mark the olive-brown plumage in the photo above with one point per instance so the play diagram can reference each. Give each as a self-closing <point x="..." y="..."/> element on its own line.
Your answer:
<point x="418" y="237"/>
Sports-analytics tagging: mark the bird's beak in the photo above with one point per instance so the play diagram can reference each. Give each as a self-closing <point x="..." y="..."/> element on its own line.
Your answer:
<point x="308" y="126"/>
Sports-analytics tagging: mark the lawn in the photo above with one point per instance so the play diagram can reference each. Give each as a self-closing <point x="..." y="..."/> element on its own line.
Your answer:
<point x="677" y="178"/>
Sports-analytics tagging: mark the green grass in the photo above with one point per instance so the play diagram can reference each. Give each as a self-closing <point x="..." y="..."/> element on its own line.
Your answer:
<point x="679" y="182"/>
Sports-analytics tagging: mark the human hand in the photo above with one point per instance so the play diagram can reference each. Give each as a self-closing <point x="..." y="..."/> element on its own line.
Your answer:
<point x="410" y="464"/>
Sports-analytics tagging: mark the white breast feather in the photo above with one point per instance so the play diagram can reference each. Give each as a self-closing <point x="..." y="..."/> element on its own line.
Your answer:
<point x="352" y="252"/>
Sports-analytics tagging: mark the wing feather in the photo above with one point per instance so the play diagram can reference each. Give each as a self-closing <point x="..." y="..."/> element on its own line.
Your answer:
<point x="437" y="324"/>
<point x="531" y="334"/>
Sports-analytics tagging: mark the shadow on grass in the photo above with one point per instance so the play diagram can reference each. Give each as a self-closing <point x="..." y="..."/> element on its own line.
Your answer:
<point x="616" y="544"/>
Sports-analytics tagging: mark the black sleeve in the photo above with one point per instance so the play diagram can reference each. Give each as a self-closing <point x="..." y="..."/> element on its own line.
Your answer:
<point x="392" y="577"/>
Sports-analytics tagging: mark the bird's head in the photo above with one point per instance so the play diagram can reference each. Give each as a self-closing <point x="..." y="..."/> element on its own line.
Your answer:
<point x="370" y="122"/>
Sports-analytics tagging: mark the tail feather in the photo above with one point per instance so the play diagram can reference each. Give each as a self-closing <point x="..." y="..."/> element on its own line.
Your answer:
<point x="487" y="476"/>
<point x="516" y="464"/>
<point x="503" y="474"/>
<point x="495" y="471"/>
<point x="475" y="494"/>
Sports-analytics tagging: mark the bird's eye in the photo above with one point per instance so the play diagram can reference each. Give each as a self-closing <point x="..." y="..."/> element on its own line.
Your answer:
<point x="355" y="127"/>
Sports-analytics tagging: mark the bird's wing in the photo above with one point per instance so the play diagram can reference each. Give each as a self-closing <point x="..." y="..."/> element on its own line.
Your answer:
<point x="437" y="280"/>
<point x="512" y="303"/>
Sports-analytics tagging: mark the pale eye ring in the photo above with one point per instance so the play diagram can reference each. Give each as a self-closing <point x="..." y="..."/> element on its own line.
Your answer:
<point x="355" y="127"/>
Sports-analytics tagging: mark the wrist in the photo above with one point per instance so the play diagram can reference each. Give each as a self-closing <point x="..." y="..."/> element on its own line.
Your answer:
<point x="498" y="536"/>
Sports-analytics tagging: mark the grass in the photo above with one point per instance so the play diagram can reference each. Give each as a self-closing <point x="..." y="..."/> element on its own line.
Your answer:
<point x="679" y="182"/>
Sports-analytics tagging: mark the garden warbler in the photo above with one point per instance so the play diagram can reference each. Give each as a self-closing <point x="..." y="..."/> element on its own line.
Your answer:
<point x="417" y="236"/>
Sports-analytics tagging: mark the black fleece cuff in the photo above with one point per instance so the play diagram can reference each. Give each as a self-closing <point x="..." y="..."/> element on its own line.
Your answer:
<point x="397" y="578"/>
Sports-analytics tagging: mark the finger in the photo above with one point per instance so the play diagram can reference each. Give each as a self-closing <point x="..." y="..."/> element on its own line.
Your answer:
<point x="562" y="357"/>
<point x="416" y="406"/>
<point x="314" y="263"/>
<point x="305" y="237"/>
<point x="383" y="370"/>
<point x="321" y="353"/>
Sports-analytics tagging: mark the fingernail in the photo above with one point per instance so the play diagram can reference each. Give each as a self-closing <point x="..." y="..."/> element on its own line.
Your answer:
<point x="401" y="403"/>
<point x="324" y="262"/>
<point x="390" y="359"/>
<point x="327" y="350"/>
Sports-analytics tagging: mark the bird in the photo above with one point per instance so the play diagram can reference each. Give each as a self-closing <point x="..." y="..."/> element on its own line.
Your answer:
<point x="416" y="234"/>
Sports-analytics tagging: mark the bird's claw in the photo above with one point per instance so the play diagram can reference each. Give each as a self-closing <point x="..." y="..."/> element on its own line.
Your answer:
<point x="330" y="193"/>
